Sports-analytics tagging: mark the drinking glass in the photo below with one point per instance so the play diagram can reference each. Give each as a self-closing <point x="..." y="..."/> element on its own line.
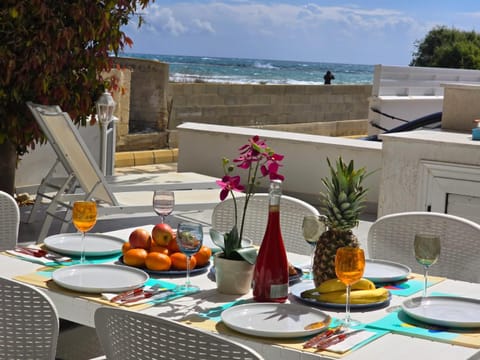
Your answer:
<point x="163" y="203"/>
<point x="312" y="227"/>
<point x="84" y="217"/>
<point x="349" y="267"/>
<point x="427" y="251"/>
<point x="189" y="240"/>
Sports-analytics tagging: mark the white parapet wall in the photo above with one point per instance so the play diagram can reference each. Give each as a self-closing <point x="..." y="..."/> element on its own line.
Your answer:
<point x="202" y="147"/>
<point x="410" y="92"/>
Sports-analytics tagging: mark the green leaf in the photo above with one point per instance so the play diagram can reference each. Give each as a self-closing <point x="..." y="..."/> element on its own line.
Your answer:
<point x="249" y="254"/>
<point x="217" y="238"/>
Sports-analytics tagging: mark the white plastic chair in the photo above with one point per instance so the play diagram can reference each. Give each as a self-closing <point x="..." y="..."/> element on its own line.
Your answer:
<point x="9" y="221"/>
<point x="391" y="238"/>
<point x="28" y="322"/>
<point x="117" y="194"/>
<point x="128" y="335"/>
<point x="292" y="211"/>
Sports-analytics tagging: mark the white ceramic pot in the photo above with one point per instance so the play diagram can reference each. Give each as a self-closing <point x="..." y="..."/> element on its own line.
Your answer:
<point x="233" y="276"/>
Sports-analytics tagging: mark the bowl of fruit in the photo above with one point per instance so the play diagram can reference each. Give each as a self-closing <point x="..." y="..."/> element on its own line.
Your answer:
<point x="157" y="253"/>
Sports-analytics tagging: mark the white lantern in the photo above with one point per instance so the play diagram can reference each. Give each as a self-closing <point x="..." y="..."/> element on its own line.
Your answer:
<point x="105" y="108"/>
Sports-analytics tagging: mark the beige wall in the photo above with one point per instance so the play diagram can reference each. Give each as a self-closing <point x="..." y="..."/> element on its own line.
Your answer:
<point x="254" y="105"/>
<point x="147" y="104"/>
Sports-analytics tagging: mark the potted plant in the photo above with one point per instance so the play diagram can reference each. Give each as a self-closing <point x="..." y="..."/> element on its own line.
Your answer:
<point x="234" y="265"/>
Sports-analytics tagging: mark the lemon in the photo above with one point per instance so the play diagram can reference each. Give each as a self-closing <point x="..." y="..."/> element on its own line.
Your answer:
<point x="312" y="228"/>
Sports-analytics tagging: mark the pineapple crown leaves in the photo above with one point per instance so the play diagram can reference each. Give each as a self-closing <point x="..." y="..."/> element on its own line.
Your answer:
<point x="344" y="196"/>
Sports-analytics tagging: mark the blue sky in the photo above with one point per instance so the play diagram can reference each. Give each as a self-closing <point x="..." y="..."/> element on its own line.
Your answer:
<point x="355" y="31"/>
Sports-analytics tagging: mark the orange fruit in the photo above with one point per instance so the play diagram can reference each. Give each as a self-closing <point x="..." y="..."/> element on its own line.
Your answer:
<point x="135" y="257"/>
<point x="179" y="261"/>
<point x="158" y="261"/>
<point x="159" y="249"/>
<point x="173" y="246"/>
<point x="203" y="255"/>
<point x="125" y="247"/>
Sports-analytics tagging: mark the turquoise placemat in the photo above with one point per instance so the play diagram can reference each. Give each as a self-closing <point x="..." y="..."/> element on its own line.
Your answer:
<point x="214" y="315"/>
<point x="400" y="323"/>
<point x="413" y="285"/>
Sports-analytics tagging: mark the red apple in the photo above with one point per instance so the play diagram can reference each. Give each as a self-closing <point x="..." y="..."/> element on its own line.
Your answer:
<point x="162" y="234"/>
<point x="140" y="238"/>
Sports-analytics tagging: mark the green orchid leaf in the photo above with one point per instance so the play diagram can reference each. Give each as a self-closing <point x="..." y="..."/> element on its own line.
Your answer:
<point x="217" y="238"/>
<point x="249" y="254"/>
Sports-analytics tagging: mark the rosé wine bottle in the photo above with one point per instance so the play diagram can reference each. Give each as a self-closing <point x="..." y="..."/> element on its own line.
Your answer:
<point x="270" y="278"/>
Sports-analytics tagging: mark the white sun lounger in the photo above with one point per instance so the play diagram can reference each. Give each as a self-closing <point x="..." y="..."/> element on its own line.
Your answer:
<point x="85" y="180"/>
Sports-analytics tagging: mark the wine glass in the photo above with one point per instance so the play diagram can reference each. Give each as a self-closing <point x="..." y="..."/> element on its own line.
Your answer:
<point x="349" y="267"/>
<point x="84" y="217"/>
<point x="189" y="240"/>
<point x="163" y="203"/>
<point x="427" y="251"/>
<point x="312" y="227"/>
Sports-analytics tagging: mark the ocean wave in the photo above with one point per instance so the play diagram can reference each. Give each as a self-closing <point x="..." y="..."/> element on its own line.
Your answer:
<point x="259" y="71"/>
<point x="260" y="65"/>
<point x="190" y="78"/>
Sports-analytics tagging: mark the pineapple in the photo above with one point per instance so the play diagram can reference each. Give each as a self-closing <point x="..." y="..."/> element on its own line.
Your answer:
<point x="342" y="203"/>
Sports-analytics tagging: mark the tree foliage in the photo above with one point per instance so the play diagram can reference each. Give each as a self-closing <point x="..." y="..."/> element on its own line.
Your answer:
<point x="53" y="52"/>
<point x="448" y="48"/>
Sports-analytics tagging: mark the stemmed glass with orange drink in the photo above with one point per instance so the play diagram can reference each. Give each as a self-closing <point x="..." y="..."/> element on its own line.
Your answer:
<point x="84" y="217"/>
<point x="349" y="267"/>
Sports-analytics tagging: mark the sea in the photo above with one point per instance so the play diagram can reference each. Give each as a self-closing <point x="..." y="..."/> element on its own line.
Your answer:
<point x="258" y="71"/>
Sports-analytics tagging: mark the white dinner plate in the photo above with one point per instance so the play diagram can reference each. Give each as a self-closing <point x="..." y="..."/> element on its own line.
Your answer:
<point x="385" y="271"/>
<point x="275" y="320"/>
<point x="95" y="244"/>
<point x="98" y="278"/>
<point x="446" y="311"/>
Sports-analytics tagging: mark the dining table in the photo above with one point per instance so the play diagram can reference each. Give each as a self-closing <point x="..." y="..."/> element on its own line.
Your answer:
<point x="203" y="310"/>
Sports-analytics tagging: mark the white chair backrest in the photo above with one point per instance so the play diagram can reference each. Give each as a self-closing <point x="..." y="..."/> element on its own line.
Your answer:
<point x="28" y="322"/>
<point x="9" y="221"/>
<point x="391" y="238"/>
<point x="128" y="335"/>
<point x="72" y="151"/>
<point x="292" y="211"/>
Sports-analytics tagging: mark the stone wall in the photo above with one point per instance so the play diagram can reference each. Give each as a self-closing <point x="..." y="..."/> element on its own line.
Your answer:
<point x="254" y="105"/>
<point x="148" y="105"/>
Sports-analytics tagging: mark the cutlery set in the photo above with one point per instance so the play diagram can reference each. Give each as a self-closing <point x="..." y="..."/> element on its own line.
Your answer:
<point x="330" y="337"/>
<point x="143" y="293"/>
<point x="40" y="253"/>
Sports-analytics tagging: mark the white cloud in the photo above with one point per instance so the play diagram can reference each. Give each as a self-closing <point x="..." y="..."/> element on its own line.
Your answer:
<point x="204" y="26"/>
<point x="277" y="30"/>
<point x="163" y="19"/>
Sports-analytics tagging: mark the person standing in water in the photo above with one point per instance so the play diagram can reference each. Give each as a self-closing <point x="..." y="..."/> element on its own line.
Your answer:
<point x="328" y="77"/>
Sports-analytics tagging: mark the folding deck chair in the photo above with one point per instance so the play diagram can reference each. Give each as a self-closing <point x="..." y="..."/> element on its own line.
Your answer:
<point x="85" y="180"/>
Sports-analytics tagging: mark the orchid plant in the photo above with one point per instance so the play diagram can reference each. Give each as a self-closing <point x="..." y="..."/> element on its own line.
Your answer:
<point x="259" y="161"/>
